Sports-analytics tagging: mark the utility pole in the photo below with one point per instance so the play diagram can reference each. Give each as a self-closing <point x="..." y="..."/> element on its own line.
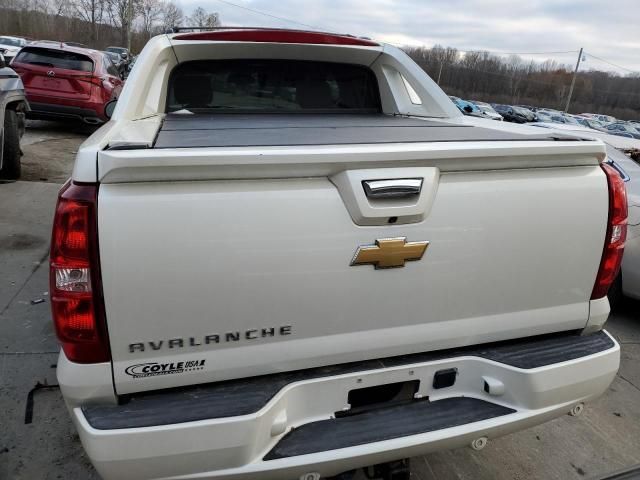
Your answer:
<point x="439" y="73"/>
<point x="573" y="81"/>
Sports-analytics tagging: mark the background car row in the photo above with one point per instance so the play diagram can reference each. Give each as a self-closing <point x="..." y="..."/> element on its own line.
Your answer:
<point x="64" y="81"/>
<point x="67" y="80"/>
<point x="10" y="46"/>
<point x="528" y="114"/>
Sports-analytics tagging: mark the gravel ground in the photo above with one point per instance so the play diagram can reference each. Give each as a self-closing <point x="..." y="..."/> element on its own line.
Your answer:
<point x="49" y="150"/>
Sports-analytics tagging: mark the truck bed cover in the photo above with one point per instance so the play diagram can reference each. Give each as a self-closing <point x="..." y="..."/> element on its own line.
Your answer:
<point x="247" y="130"/>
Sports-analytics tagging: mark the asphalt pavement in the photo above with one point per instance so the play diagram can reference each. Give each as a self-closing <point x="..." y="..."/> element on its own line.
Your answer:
<point x="604" y="439"/>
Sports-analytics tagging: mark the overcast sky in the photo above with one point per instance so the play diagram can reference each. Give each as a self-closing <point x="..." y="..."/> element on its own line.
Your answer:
<point x="605" y="28"/>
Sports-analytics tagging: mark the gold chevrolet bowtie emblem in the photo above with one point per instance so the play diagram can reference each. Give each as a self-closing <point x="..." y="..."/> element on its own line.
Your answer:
<point x="389" y="252"/>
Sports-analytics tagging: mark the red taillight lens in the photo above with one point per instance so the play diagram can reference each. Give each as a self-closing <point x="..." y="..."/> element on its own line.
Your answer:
<point x="74" y="276"/>
<point x="92" y="79"/>
<point x="616" y="233"/>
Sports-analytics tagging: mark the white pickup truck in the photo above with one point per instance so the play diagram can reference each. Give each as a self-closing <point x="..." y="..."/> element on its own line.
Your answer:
<point x="288" y="255"/>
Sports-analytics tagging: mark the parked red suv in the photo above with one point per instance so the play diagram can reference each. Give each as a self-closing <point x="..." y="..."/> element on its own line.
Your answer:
<point x="67" y="82"/>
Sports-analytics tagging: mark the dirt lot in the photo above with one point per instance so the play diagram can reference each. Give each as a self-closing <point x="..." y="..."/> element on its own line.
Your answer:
<point x="49" y="150"/>
<point x="604" y="439"/>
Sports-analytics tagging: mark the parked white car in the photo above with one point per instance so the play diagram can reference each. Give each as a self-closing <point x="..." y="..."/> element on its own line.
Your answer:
<point x="489" y="111"/>
<point x="289" y="255"/>
<point x="10" y="46"/>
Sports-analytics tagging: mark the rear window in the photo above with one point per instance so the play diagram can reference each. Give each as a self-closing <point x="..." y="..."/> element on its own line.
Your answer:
<point x="55" y="59"/>
<point x="272" y="86"/>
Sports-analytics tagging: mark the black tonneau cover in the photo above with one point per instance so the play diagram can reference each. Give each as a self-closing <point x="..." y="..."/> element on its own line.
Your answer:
<point x="250" y="130"/>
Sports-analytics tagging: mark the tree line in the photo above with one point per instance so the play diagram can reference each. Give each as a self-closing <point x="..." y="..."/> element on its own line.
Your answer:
<point x="486" y="77"/>
<point x="98" y="23"/>
<point x="470" y="75"/>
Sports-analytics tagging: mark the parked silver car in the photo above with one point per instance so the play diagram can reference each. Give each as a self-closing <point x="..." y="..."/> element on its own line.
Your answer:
<point x="13" y="105"/>
<point x="630" y="273"/>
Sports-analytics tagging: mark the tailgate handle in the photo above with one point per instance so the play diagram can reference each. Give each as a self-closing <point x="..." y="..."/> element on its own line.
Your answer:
<point x="392" y="188"/>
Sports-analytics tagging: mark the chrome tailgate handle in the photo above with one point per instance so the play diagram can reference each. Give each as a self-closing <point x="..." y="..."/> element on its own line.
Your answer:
<point x="392" y="188"/>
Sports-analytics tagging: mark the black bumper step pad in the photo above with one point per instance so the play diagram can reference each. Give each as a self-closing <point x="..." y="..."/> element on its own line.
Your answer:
<point x="248" y="395"/>
<point x="384" y="424"/>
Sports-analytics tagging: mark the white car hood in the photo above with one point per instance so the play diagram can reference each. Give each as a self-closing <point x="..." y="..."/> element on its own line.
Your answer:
<point x="10" y="49"/>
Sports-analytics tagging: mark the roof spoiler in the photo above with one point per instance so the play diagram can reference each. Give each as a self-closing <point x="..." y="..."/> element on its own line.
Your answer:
<point x="268" y="35"/>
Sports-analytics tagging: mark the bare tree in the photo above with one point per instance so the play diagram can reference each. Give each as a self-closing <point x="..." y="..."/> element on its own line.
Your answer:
<point x="122" y="14"/>
<point x="61" y="8"/>
<point x="172" y="15"/>
<point x="92" y="12"/>
<point x="201" y="18"/>
<point x="151" y="12"/>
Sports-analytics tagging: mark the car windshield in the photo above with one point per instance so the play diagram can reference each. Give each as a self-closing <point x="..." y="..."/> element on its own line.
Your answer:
<point x="272" y="86"/>
<point x="55" y="59"/>
<point x="622" y="127"/>
<point x="12" y="42"/>
<point x="473" y="107"/>
<point x="116" y="50"/>
<point x="571" y="120"/>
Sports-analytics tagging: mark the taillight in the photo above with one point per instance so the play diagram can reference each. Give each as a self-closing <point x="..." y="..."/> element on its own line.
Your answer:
<point x="74" y="276"/>
<point x="616" y="233"/>
<point x="92" y="79"/>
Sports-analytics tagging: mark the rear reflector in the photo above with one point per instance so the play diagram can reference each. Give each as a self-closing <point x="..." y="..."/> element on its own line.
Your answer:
<point x="616" y="233"/>
<point x="277" y="36"/>
<point x="74" y="276"/>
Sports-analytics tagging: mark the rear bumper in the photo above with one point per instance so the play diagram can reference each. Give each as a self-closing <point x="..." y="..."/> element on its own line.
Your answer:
<point x="256" y="445"/>
<point x="47" y="111"/>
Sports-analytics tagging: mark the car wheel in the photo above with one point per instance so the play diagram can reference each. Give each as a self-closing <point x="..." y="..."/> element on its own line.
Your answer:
<point x="11" y="153"/>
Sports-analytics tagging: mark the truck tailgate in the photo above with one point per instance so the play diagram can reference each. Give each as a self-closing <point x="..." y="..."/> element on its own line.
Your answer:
<point x="216" y="279"/>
